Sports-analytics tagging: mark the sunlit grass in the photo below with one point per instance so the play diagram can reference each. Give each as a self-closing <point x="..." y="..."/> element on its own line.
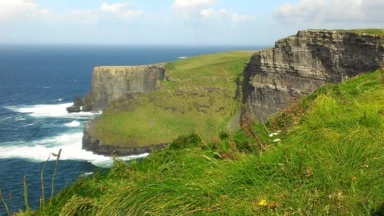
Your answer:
<point x="328" y="161"/>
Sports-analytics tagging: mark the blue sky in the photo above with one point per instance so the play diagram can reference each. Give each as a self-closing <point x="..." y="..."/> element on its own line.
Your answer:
<point x="178" y="22"/>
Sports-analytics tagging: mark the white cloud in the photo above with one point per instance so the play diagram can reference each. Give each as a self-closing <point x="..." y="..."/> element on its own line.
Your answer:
<point x="122" y="10"/>
<point x="186" y="8"/>
<point x="23" y="10"/>
<point x="208" y="12"/>
<point x="179" y="4"/>
<point x="204" y="11"/>
<point x="334" y="11"/>
<point x="115" y="8"/>
<point x="222" y="15"/>
<point x="82" y="16"/>
<point x="18" y="9"/>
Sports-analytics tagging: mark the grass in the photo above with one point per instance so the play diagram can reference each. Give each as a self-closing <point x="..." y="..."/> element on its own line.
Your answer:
<point x="322" y="156"/>
<point x="201" y="92"/>
<point x="369" y="31"/>
<point x="372" y="31"/>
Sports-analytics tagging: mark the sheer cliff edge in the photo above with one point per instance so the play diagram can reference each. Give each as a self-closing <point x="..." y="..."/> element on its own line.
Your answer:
<point x="146" y="107"/>
<point x="300" y="64"/>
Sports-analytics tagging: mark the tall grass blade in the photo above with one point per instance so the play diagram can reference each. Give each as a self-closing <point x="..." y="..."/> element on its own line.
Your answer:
<point x="27" y="208"/>
<point x="54" y="174"/>
<point x="5" y="204"/>
<point x="42" y="182"/>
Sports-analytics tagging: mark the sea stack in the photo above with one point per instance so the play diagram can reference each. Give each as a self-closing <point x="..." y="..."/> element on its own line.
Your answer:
<point x="76" y="107"/>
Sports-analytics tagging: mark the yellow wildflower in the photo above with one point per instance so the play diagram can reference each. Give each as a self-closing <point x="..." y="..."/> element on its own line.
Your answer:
<point x="263" y="203"/>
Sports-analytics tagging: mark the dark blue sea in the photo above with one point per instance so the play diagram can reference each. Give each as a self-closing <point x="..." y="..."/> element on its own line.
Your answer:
<point x="37" y="83"/>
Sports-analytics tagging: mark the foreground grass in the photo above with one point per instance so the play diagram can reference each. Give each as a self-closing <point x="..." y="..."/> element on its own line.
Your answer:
<point x="201" y="91"/>
<point x="327" y="160"/>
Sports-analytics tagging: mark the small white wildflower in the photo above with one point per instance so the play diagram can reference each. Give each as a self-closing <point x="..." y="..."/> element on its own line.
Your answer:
<point x="273" y="134"/>
<point x="276" y="140"/>
<point x="279" y="131"/>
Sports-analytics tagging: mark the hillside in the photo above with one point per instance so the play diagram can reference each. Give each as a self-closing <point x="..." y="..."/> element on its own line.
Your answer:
<point x="323" y="155"/>
<point x="199" y="93"/>
<point x="146" y="107"/>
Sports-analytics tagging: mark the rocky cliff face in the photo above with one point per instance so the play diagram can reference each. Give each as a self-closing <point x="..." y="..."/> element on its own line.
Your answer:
<point x="300" y="64"/>
<point x="112" y="82"/>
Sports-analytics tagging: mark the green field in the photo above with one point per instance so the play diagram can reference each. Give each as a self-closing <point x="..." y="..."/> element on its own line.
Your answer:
<point x="327" y="160"/>
<point x="200" y="94"/>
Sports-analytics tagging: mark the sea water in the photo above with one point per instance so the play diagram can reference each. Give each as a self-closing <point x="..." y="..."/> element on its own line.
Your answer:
<point x="37" y="83"/>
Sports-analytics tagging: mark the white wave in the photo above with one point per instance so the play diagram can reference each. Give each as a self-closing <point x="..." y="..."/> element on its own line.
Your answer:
<point x="182" y="57"/>
<point x="70" y="144"/>
<point x="58" y="100"/>
<point x="49" y="110"/>
<point x="73" y="124"/>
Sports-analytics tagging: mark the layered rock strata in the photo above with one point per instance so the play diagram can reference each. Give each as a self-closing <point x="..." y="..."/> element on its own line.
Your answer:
<point x="112" y="82"/>
<point x="300" y="64"/>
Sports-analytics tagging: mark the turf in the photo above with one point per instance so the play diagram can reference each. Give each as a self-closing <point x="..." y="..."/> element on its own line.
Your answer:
<point x="321" y="156"/>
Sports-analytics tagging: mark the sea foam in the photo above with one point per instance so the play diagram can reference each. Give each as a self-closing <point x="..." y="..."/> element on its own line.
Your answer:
<point x="74" y="123"/>
<point x="69" y="143"/>
<point x="49" y="110"/>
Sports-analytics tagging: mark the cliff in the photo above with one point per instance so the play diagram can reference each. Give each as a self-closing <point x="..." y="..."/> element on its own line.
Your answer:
<point x="145" y="107"/>
<point x="300" y="64"/>
<point x="112" y="82"/>
<point x="143" y="111"/>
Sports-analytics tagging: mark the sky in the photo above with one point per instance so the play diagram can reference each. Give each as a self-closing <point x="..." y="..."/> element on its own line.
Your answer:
<point x="178" y="22"/>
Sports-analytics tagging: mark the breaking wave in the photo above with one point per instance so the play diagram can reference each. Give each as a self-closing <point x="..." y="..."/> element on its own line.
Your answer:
<point x="69" y="139"/>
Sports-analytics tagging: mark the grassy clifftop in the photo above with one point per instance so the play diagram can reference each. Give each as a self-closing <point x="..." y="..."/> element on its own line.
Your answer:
<point x="327" y="160"/>
<point x="372" y="31"/>
<point x="379" y="32"/>
<point x="201" y="92"/>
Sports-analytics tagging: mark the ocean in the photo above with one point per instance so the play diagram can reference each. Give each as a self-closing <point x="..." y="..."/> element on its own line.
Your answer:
<point x="37" y="83"/>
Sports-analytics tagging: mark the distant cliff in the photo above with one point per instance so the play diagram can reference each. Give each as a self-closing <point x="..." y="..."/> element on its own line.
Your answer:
<point x="300" y="64"/>
<point x="146" y="107"/>
<point x="112" y="82"/>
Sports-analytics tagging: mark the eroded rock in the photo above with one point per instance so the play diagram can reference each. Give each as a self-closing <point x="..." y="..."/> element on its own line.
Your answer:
<point x="300" y="64"/>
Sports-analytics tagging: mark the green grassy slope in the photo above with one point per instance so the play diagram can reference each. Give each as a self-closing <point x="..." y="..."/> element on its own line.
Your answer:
<point x="373" y="31"/>
<point x="327" y="160"/>
<point x="379" y="32"/>
<point x="200" y="93"/>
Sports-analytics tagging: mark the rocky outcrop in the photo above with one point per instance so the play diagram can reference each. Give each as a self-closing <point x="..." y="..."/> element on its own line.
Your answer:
<point x="300" y="64"/>
<point x="77" y="104"/>
<point x="96" y="145"/>
<point x="112" y="82"/>
<point x="73" y="109"/>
